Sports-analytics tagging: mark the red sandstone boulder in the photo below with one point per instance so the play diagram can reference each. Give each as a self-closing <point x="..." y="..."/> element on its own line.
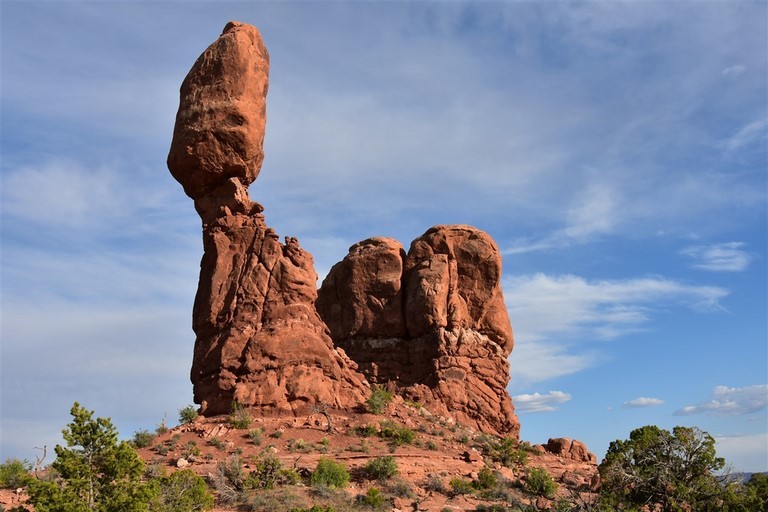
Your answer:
<point x="431" y="326"/>
<point x="574" y="450"/>
<point x="260" y="341"/>
<point x="219" y="130"/>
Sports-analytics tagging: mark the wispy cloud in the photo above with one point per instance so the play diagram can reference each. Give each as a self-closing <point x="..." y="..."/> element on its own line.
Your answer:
<point x="537" y="402"/>
<point x="728" y="401"/>
<point x="753" y="132"/>
<point x="734" y="70"/>
<point x="549" y="311"/>
<point x="725" y="257"/>
<point x="642" y="401"/>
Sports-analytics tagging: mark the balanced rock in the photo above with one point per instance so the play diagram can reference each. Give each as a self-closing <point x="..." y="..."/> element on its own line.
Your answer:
<point x="260" y="341"/>
<point x="219" y="128"/>
<point x="431" y="324"/>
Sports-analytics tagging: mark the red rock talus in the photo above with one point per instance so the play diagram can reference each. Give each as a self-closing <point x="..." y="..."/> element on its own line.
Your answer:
<point x="260" y="341"/>
<point x="438" y="332"/>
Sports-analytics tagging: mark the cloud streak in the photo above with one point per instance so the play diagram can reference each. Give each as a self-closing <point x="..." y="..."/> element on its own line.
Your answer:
<point x="642" y="402"/>
<point x="537" y="402"/>
<point x="725" y="257"/>
<point x="727" y="401"/>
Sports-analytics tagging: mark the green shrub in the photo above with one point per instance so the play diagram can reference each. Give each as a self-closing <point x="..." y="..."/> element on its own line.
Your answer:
<point x="434" y="484"/>
<point x="277" y="434"/>
<point x="314" y="508"/>
<point x="216" y="443"/>
<point x="230" y="481"/>
<point x="397" y="434"/>
<point x="162" y="428"/>
<point x="431" y="445"/>
<point x="14" y="473"/>
<point x="330" y="474"/>
<point x="191" y="450"/>
<point x="379" y="399"/>
<point x="266" y="474"/>
<point x="373" y="498"/>
<point x="460" y="486"/>
<point x="381" y="468"/>
<point x="540" y="483"/>
<point x="142" y="439"/>
<point x="299" y="445"/>
<point x="183" y="491"/>
<point x="486" y="479"/>
<point x="400" y="488"/>
<point x="187" y="414"/>
<point x="364" y="431"/>
<point x="239" y="417"/>
<point x="508" y="452"/>
<point x="256" y="435"/>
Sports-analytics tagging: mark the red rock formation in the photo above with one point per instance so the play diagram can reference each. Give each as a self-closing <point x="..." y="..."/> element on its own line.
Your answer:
<point x="574" y="450"/>
<point x="260" y="341"/>
<point x="431" y="325"/>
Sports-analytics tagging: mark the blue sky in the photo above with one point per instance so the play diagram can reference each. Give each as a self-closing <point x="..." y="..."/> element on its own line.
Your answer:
<point x="617" y="153"/>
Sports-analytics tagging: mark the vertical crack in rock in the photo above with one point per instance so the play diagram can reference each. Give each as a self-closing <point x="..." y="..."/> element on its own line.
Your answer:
<point x="255" y="299"/>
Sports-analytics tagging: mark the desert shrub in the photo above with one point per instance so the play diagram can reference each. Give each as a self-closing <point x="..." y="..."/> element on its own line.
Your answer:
<point x="363" y="447"/>
<point x="381" y="468"/>
<point x="239" y="417"/>
<point x="14" y="473"/>
<point x="183" y="491"/>
<point x="460" y="486"/>
<point x="540" y="483"/>
<point x="229" y="480"/>
<point x="161" y="449"/>
<point x="191" y="450"/>
<point x="277" y="434"/>
<point x="187" y="414"/>
<point x="299" y="445"/>
<point x="216" y="443"/>
<point x="142" y="439"/>
<point x="330" y="473"/>
<point x="395" y="433"/>
<point x="400" y="488"/>
<point x="277" y="500"/>
<point x="507" y="451"/>
<point x="162" y="428"/>
<point x="486" y="479"/>
<point x="372" y="498"/>
<point x="434" y="484"/>
<point x="364" y="431"/>
<point x="379" y="399"/>
<point x="314" y="508"/>
<point x="256" y="435"/>
<point x="431" y="445"/>
<point x="269" y="472"/>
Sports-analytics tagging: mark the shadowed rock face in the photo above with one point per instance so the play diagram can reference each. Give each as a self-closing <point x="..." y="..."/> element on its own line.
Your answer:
<point x="431" y="324"/>
<point x="260" y="341"/>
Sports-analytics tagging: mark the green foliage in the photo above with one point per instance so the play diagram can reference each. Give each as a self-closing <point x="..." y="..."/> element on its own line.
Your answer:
<point x="14" y="473"/>
<point x="191" y="450"/>
<point x="142" y="439"/>
<point x="486" y="479"/>
<point x="749" y="497"/>
<point x="330" y="473"/>
<point x="379" y="399"/>
<point x="269" y="472"/>
<point x="239" y="417"/>
<point x="540" y="483"/>
<point x="461" y="486"/>
<point x="400" y="488"/>
<point x="507" y="451"/>
<point x="654" y="466"/>
<point x="256" y="436"/>
<point x="216" y="443"/>
<point x="373" y="498"/>
<point x="364" y="431"/>
<point x="183" y="491"/>
<point x="187" y="414"/>
<point x="95" y="471"/>
<point x="229" y="480"/>
<point x="381" y="468"/>
<point x="314" y="508"/>
<point x="395" y="433"/>
<point x="434" y="484"/>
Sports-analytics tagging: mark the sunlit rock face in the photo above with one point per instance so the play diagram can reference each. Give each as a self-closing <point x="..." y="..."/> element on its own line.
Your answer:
<point x="430" y="324"/>
<point x="260" y="341"/>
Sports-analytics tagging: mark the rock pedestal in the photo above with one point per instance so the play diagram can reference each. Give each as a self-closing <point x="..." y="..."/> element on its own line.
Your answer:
<point x="260" y="341"/>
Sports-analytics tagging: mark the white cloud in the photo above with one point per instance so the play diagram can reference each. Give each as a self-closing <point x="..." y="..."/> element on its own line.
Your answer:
<point x="750" y="133"/>
<point x="642" y="401"/>
<point x="725" y="257"/>
<point x="546" y="308"/>
<point x="537" y="402"/>
<point x="744" y="452"/>
<point x="735" y="70"/>
<point x="728" y="401"/>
